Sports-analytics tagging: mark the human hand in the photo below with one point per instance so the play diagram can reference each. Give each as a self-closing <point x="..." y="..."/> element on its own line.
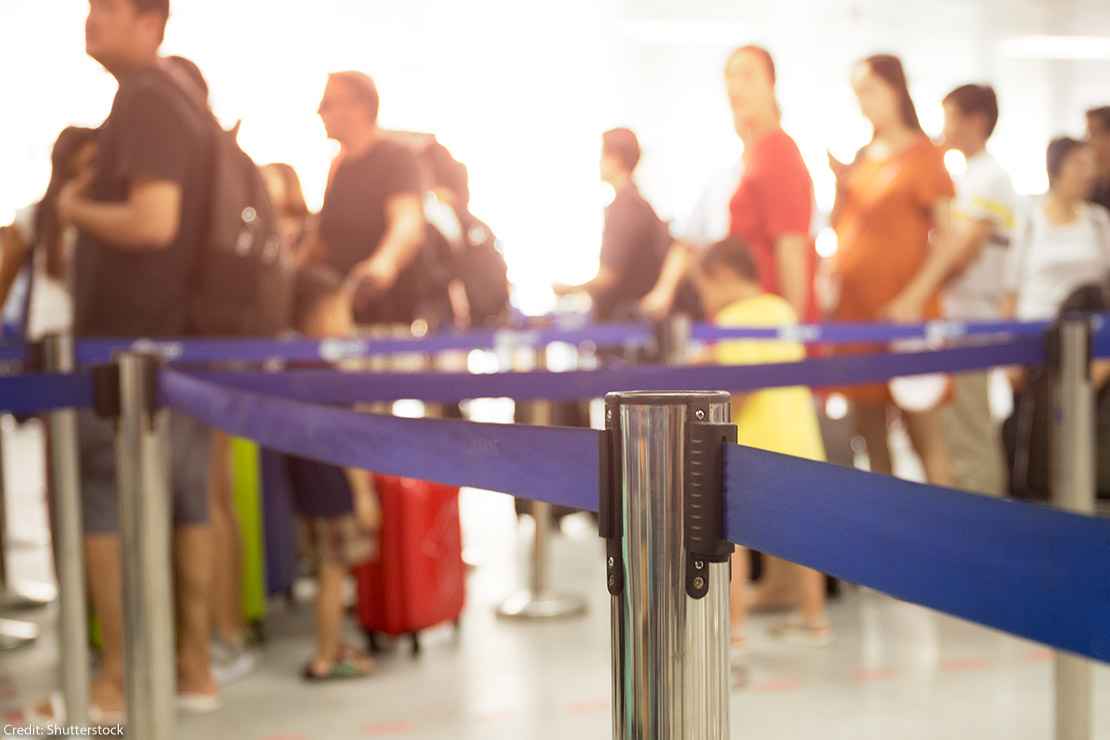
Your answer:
<point x="71" y="194"/>
<point x="656" y="305"/>
<point x="839" y="169"/>
<point x="905" y="309"/>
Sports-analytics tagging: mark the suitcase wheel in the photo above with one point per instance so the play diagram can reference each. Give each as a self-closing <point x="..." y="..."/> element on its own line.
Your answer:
<point x="373" y="645"/>
<point x="414" y="638"/>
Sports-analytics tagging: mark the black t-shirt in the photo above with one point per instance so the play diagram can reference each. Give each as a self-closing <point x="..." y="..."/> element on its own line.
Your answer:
<point x="353" y="222"/>
<point x="633" y="246"/>
<point x="152" y="133"/>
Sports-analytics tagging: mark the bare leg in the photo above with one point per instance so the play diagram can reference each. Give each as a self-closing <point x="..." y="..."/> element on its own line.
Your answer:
<point x="871" y="420"/>
<point x="193" y="553"/>
<point x="227" y="613"/>
<point x="778" y="588"/>
<point x="813" y="597"/>
<point x="927" y="436"/>
<point x="329" y="616"/>
<point x="102" y="558"/>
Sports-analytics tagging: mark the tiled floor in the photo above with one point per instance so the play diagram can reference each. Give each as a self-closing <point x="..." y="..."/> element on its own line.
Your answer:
<point x="895" y="671"/>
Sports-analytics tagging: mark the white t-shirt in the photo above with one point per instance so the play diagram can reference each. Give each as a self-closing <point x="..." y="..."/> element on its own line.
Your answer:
<point x="51" y="306"/>
<point x="1048" y="262"/>
<point x="983" y="193"/>
<point x="708" y="221"/>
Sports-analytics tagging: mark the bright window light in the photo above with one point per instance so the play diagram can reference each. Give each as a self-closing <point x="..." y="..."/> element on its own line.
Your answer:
<point x="955" y="162"/>
<point x="1077" y="48"/>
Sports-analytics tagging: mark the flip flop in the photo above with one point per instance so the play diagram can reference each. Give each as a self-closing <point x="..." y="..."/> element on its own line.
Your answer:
<point x="106" y="717"/>
<point x="342" y="669"/>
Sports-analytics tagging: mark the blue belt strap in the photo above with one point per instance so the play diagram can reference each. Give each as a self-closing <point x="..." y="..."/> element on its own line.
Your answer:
<point x="34" y="394"/>
<point x="554" y="464"/>
<point x="1026" y="569"/>
<point x="316" y="386"/>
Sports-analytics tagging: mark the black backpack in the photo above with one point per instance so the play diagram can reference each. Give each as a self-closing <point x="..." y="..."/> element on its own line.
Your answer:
<point x="481" y="268"/>
<point x="244" y="279"/>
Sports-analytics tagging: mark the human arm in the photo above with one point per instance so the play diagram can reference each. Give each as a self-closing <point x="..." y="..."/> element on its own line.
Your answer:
<point x="657" y="303"/>
<point x="147" y="221"/>
<point x="403" y="239"/>
<point x="14" y="248"/>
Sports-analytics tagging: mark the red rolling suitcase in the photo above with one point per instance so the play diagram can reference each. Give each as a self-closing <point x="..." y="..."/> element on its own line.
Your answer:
<point x="418" y="578"/>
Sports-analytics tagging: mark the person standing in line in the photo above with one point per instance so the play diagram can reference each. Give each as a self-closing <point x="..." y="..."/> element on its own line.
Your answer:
<point x="1098" y="136"/>
<point x="889" y="200"/>
<point x="768" y="200"/>
<point x="369" y="238"/>
<point x="1064" y="242"/>
<point x="983" y="225"/>
<point x="141" y="217"/>
<point x="634" y="239"/>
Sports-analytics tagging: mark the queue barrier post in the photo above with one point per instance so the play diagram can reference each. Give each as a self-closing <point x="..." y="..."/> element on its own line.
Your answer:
<point x="1073" y="488"/>
<point x="142" y="457"/>
<point x="667" y="563"/>
<point x="538" y="601"/>
<point x="65" y="487"/>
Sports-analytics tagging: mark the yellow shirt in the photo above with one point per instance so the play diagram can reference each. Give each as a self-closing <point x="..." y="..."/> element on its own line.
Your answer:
<point x="779" y="420"/>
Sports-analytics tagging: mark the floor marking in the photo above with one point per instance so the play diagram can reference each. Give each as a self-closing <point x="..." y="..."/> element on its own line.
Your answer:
<point x="389" y="728"/>
<point x="873" y="675"/>
<point x="589" y="707"/>
<point x="776" y="686"/>
<point x="1040" y="655"/>
<point x="960" y="665"/>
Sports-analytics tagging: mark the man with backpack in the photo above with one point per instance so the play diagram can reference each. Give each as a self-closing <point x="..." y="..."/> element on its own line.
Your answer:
<point x="142" y="215"/>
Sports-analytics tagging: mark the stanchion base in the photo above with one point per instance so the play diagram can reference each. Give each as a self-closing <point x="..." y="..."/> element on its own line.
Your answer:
<point x="30" y="596"/>
<point x="15" y="635"/>
<point x="528" y="606"/>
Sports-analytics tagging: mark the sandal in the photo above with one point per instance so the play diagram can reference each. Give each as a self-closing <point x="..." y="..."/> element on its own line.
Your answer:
<point x="343" y="669"/>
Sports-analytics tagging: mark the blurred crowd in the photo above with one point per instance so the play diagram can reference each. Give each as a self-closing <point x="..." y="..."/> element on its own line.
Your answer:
<point x="155" y="224"/>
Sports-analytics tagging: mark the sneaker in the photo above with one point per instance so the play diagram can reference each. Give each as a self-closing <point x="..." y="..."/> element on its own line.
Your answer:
<point x="198" y="703"/>
<point x="796" y="633"/>
<point x="231" y="664"/>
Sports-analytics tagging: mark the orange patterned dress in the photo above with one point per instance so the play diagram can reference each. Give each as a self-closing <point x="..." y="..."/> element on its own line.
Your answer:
<point x="882" y="223"/>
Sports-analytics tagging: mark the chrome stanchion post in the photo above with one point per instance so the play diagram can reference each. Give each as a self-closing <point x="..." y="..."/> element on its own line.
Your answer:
<point x="667" y="567"/>
<point x="13" y="634"/>
<point x="539" y="601"/>
<point x="1073" y="488"/>
<point x="144" y="502"/>
<point x="65" y="483"/>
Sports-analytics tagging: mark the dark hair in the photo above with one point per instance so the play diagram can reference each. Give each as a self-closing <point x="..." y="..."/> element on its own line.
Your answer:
<point x="160" y="7"/>
<point x="732" y="254"/>
<point x="763" y="55"/>
<point x="976" y="100"/>
<point x="622" y="144"/>
<point x="1100" y="114"/>
<point x="889" y="69"/>
<point x="48" y="230"/>
<point x="1059" y="149"/>
<point x="294" y="193"/>
<point x="363" y="88"/>
<point x="191" y="71"/>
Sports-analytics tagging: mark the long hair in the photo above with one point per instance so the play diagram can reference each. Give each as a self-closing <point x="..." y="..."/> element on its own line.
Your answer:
<point x="48" y="229"/>
<point x="889" y="69"/>
<point x="295" y="204"/>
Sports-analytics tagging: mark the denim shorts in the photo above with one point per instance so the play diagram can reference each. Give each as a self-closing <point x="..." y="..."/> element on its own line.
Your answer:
<point x="189" y="443"/>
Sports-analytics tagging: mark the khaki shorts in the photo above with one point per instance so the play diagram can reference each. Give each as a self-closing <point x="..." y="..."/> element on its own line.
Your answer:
<point x="342" y="541"/>
<point x="973" y="438"/>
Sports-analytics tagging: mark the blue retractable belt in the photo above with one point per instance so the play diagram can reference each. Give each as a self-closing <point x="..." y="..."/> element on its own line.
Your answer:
<point x="558" y="465"/>
<point x="33" y="394"/>
<point x="318" y="386"/>
<point x="1026" y="569"/>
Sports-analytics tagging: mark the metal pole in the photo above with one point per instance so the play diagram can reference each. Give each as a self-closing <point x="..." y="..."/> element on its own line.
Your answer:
<point x="40" y="595"/>
<point x="1074" y="489"/>
<point x="538" y="601"/>
<point x="65" y="484"/>
<point x="148" y="610"/>
<point x="669" y="649"/>
<point x="13" y="634"/>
